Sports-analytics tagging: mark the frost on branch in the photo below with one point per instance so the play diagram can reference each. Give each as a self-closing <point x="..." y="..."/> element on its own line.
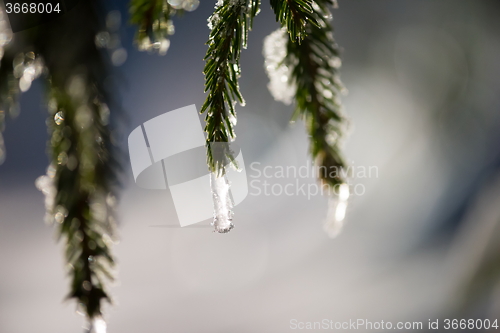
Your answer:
<point x="280" y="83"/>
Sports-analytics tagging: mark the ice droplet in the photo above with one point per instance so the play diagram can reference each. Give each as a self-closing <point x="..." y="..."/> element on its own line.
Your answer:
<point x="223" y="204"/>
<point x="102" y="39"/>
<point x="59" y="118"/>
<point x="337" y="206"/>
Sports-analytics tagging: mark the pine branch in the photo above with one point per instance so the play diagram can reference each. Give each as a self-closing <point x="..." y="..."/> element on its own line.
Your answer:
<point x="314" y="64"/>
<point x="230" y="24"/>
<point x="80" y="182"/>
<point x="295" y="15"/>
<point x="155" y="26"/>
<point x="83" y="166"/>
<point x="85" y="169"/>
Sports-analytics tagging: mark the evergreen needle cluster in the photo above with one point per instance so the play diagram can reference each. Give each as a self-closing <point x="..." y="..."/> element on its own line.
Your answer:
<point x="230" y="25"/>
<point x="82" y="176"/>
<point x="80" y="183"/>
<point x="154" y="21"/>
<point x="313" y="58"/>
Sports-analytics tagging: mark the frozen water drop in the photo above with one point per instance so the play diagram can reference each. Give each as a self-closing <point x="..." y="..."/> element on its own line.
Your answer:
<point x="102" y="39"/>
<point x="59" y="118"/>
<point x="80" y="309"/>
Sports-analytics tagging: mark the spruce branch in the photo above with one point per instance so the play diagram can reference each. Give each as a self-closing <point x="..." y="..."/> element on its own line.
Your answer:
<point x="154" y="21"/>
<point x="295" y="15"/>
<point x="314" y="70"/>
<point x="83" y="157"/>
<point x="229" y="24"/>
<point x="81" y="180"/>
<point x="82" y="173"/>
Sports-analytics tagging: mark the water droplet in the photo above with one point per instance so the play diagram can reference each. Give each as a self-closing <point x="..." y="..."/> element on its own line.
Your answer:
<point x="81" y="309"/>
<point x="62" y="158"/>
<point x="59" y="217"/>
<point x="102" y="39"/>
<point x="60" y="214"/>
<point x="170" y="28"/>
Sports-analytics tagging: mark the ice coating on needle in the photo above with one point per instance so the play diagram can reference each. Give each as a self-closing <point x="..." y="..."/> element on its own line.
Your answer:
<point x="223" y="204"/>
<point x="280" y="83"/>
<point x="337" y="206"/>
<point x="97" y="325"/>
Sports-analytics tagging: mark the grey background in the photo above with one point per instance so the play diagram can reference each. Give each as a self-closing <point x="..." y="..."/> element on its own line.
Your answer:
<point x="424" y="105"/>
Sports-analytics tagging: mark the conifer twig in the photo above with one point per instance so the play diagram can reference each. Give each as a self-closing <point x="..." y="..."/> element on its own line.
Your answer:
<point x="229" y="24"/>
<point x="154" y="21"/>
<point x="313" y="64"/>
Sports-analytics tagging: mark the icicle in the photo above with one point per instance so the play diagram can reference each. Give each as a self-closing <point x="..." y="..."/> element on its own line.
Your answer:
<point x="337" y="207"/>
<point x="280" y="84"/>
<point x="97" y="325"/>
<point x="223" y="204"/>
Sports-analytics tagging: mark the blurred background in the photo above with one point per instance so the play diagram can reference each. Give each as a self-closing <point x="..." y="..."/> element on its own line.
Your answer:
<point x="422" y="242"/>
